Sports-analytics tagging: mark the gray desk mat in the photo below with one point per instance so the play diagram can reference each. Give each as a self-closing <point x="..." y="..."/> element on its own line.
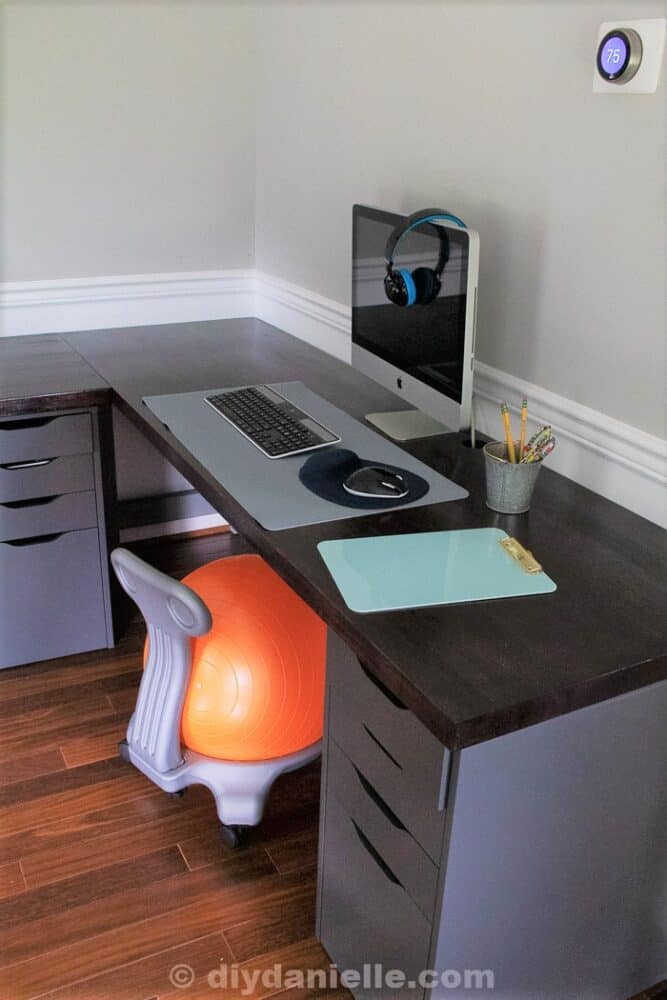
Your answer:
<point x="270" y="489"/>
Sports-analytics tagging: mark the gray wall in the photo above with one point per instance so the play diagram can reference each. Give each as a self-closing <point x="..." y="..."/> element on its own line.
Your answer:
<point x="150" y="136"/>
<point x="486" y="108"/>
<point x="127" y="147"/>
<point x="127" y="138"/>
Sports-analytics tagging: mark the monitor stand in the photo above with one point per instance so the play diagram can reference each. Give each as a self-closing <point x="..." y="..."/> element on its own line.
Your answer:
<point x="404" y="425"/>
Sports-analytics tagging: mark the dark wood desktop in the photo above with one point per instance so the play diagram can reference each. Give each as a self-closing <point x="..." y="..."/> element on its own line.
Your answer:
<point x="469" y="672"/>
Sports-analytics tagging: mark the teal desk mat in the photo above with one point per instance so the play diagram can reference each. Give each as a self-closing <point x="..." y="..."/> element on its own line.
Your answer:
<point x="391" y="572"/>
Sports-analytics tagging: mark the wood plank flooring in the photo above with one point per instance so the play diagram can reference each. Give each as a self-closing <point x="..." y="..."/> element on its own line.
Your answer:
<point x="106" y="883"/>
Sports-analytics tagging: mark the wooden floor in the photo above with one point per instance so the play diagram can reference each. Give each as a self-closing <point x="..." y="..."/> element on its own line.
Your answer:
<point x="106" y="883"/>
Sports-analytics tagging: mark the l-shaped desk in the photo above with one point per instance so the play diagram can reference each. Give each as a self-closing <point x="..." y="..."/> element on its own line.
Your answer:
<point x="493" y="780"/>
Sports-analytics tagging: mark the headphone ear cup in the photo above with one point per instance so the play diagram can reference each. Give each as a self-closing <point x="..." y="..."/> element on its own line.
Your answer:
<point x="410" y="290"/>
<point x="394" y="288"/>
<point x="427" y="285"/>
<point x="400" y="288"/>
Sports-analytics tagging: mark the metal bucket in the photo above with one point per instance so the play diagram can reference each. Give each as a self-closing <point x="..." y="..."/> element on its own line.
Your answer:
<point x="509" y="487"/>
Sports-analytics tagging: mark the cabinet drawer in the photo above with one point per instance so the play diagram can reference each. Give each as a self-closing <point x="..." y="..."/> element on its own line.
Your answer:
<point x="47" y="515"/>
<point x="51" y="597"/>
<point x="41" y="477"/>
<point x="411" y="865"/>
<point x="404" y="762"/>
<point x="366" y="915"/>
<point x="45" y="437"/>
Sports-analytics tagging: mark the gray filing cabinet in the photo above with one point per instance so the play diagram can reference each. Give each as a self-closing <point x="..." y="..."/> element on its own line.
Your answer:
<point x="383" y="796"/>
<point x="54" y="582"/>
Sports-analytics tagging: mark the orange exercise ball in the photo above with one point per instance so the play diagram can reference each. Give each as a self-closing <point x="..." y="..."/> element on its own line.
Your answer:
<point x="257" y="683"/>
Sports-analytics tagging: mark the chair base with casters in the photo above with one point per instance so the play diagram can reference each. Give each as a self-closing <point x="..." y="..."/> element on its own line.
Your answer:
<point x="240" y="788"/>
<point x="174" y="615"/>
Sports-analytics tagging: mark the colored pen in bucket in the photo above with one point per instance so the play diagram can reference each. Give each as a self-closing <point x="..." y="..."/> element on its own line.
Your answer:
<point x="539" y="446"/>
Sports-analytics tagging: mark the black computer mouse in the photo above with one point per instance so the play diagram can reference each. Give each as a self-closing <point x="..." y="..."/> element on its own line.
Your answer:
<point x="376" y="481"/>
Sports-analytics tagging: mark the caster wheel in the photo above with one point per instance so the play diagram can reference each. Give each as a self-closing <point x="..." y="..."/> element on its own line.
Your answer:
<point x="124" y="751"/>
<point x="177" y="795"/>
<point x="233" y="836"/>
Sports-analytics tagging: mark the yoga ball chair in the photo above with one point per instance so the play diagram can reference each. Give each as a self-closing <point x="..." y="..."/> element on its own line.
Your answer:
<point x="232" y="693"/>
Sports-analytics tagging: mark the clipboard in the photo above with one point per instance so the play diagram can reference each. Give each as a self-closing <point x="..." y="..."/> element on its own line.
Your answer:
<point x="395" y="572"/>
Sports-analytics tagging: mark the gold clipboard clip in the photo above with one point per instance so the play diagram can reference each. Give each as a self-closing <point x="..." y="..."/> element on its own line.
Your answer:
<point x="525" y="559"/>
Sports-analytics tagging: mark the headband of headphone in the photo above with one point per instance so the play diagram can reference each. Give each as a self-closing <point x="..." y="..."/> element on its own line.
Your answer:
<point x="405" y="288"/>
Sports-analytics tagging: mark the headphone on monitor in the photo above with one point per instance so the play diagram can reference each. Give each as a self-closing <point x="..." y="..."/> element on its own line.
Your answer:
<point x="421" y="286"/>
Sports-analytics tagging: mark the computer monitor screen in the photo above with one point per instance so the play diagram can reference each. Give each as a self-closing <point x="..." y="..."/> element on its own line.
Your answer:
<point x="430" y="344"/>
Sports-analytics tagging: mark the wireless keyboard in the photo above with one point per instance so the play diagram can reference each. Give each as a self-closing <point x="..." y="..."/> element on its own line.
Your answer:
<point x="270" y="422"/>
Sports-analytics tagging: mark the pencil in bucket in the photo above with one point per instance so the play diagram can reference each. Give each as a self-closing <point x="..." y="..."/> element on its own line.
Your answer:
<point x="512" y="467"/>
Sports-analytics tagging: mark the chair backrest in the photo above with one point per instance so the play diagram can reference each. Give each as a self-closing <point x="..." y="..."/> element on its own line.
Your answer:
<point x="173" y="615"/>
<point x="164" y="602"/>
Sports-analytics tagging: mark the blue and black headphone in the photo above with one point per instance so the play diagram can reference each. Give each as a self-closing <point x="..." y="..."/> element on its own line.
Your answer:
<point x="418" y="287"/>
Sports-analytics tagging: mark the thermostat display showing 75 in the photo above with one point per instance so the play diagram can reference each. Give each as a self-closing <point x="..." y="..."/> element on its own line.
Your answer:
<point x="619" y="55"/>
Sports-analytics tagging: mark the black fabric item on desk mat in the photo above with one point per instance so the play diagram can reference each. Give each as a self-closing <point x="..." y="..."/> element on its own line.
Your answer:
<point x="325" y="471"/>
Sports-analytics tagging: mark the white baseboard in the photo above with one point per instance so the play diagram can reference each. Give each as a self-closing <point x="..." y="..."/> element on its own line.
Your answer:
<point x="307" y="315"/>
<point x="127" y="300"/>
<point x="611" y="458"/>
<point x="179" y="527"/>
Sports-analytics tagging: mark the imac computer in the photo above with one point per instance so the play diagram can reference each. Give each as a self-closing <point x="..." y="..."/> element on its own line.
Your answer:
<point x="414" y="306"/>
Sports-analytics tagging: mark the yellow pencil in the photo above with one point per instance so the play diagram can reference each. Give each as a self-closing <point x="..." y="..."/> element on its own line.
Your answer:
<point x="522" y="439"/>
<point x="504" y="410"/>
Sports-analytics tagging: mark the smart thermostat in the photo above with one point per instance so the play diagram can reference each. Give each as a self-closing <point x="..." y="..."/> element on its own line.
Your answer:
<point x="629" y="56"/>
<point x="619" y="55"/>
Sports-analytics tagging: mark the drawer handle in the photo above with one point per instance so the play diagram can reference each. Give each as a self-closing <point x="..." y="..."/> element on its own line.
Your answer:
<point x="17" y="425"/>
<point x="383" y="749"/>
<point x="35" y="502"/>
<point x="13" y="466"/>
<point x="389" y="695"/>
<point x="38" y="540"/>
<point x="380" y="862"/>
<point x="378" y="800"/>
